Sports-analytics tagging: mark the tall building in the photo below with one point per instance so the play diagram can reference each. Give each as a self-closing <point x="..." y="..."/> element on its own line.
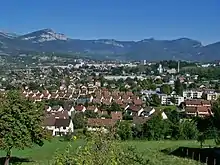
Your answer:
<point x="178" y="67"/>
<point x="160" y="69"/>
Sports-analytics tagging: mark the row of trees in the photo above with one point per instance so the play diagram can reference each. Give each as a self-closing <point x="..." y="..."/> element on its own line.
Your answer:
<point x="158" y="129"/>
<point x="174" y="127"/>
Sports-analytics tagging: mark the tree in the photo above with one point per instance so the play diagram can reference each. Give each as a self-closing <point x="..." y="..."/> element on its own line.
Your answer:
<point x="192" y="86"/>
<point x="123" y="130"/>
<point x="216" y="120"/>
<point x="79" y="120"/>
<point x="166" y="89"/>
<point x="178" y="87"/>
<point x="204" y="96"/>
<point x="20" y="123"/>
<point x="216" y="87"/>
<point x="156" y="128"/>
<point x="155" y="100"/>
<point x="201" y="138"/>
<point x="33" y="86"/>
<point x="137" y="132"/>
<point x="173" y="100"/>
<point x="91" y="114"/>
<point x="188" y="130"/>
<point x="115" y="107"/>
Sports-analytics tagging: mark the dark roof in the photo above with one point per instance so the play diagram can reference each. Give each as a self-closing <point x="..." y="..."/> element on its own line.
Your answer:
<point x="62" y="122"/>
<point x="148" y="109"/>
<point x="134" y="108"/>
<point x="49" y="121"/>
<point x="140" y="120"/>
<point x="101" y="122"/>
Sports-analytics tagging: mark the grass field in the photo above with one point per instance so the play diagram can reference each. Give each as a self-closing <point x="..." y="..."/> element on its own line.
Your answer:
<point x="150" y="149"/>
<point x="171" y="107"/>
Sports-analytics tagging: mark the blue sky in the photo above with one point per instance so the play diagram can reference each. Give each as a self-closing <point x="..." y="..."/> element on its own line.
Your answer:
<point x="118" y="19"/>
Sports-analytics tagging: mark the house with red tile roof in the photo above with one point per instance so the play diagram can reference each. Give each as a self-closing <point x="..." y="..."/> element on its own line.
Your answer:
<point x="92" y="108"/>
<point x="97" y="124"/>
<point x="80" y="108"/>
<point x="117" y="115"/>
<point x="137" y="102"/>
<point x="134" y="110"/>
<point x="198" y="111"/>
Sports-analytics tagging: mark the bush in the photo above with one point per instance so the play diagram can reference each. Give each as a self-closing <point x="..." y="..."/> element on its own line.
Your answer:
<point x="101" y="149"/>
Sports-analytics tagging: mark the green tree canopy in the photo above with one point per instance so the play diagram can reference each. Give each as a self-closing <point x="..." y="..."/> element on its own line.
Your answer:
<point x="79" y="120"/>
<point x="156" y="128"/>
<point x="166" y="89"/>
<point x="155" y="100"/>
<point x="123" y="129"/>
<point x="178" y="87"/>
<point x="20" y="123"/>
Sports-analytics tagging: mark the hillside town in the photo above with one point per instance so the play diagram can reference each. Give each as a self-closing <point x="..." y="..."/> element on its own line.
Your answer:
<point x="106" y="92"/>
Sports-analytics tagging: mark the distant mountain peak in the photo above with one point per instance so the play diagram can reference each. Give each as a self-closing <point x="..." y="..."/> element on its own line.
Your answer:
<point x="44" y="35"/>
<point x="48" y="40"/>
<point x="8" y="35"/>
<point x="112" y="42"/>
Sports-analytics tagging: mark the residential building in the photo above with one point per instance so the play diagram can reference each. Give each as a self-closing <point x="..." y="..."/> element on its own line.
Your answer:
<point x="58" y="126"/>
<point x="192" y="94"/>
<point x="171" y="100"/>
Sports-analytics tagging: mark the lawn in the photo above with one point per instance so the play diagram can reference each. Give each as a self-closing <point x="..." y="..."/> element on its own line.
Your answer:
<point x="171" y="107"/>
<point x="150" y="149"/>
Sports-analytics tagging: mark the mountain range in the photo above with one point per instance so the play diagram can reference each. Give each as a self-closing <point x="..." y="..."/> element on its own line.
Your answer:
<point x="47" y="40"/>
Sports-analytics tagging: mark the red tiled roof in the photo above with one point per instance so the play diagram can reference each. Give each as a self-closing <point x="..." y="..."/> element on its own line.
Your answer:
<point x="116" y="115"/>
<point x="54" y="95"/>
<point x="138" y="102"/>
<point x="125" y="97"/>
<point x="116" y="97"/>
<point x="129" y="93"/>
<point x="101" y="122"/>
<point x="191" y="110"/>
<point x="79" y="108"/>
<point x="119" y="102"/>
<point x="96" y="101"/>
<point x="206" y="102"/>
<point x="106" y="102"/>
<point x="91" y="108"/>
<point x="127" y="101"/>
<point x="203" y="109"/>
<point x="193" y="102"/>
<point x="134" y="108"/>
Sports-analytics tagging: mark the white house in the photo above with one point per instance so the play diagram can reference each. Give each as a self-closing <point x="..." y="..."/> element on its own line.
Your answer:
<point x="192" y="94"/>
<point x="212" y="96"/>
<point x="167" y="99"/>
<point x="146" y="112"/>
<point x="58" y="127"/>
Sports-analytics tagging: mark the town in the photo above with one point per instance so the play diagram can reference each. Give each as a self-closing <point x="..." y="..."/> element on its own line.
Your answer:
<point x="153" y="100"/>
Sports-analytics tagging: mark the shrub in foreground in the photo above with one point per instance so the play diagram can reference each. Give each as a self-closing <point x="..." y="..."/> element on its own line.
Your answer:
<point x="100" y="149"/>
